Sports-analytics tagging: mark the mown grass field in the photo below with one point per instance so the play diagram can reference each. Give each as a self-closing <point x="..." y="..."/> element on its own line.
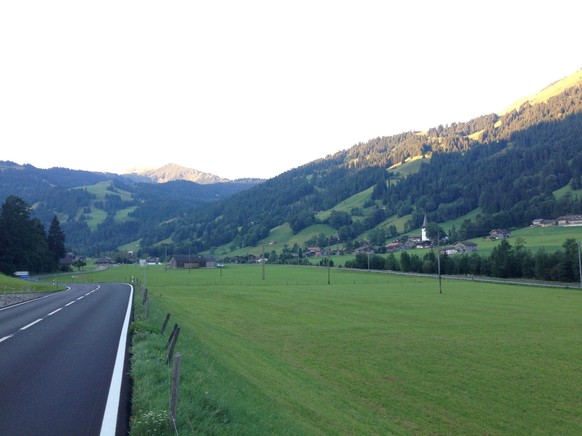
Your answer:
<point x="368" y="354"/>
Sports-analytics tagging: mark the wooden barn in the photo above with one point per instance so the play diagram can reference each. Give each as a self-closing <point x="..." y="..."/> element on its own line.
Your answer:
<point x="191" y="261"/>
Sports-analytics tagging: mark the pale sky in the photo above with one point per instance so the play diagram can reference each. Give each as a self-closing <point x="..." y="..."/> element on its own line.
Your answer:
<point x="254" y="88"/>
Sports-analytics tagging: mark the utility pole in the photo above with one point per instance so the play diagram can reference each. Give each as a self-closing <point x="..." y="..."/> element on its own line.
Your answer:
<point x="328" y="271"/>
<point x="439" y="260"/>
<point x="579" y="264"/>
<point x="263" y="261"/>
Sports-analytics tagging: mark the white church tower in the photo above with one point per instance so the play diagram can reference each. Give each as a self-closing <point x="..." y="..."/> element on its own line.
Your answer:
<point x="424" y="236"/>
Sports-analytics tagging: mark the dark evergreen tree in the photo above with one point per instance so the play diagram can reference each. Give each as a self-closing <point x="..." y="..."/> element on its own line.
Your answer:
<point x="56" y="240"/>
<point x="23" y="243"/>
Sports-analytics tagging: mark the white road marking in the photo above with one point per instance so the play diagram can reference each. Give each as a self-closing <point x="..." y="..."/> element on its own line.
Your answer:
<point x="55" y="311"/>
<point x="68" y="304"/>
<point x="31" y="324"/>
<point x="6" y="337"/>
<point x="109" y="423"/>
<point x="81" y="297"/>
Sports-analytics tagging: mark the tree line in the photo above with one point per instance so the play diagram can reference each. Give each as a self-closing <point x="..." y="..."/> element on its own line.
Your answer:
<point x="24" y="241"/>
<point x="505" y="261"/>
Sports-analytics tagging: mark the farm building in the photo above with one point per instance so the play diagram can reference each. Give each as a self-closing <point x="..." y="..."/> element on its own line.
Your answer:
<point x="465" y="247"/>
<point x="570" y="220"/>
<point x="540" y="222"/>
<point x="187" y="261"/>
<point x="497" y="234"/>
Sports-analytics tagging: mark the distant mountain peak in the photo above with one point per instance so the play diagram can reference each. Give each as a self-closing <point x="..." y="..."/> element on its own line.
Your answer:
<point x="171" y="172"/>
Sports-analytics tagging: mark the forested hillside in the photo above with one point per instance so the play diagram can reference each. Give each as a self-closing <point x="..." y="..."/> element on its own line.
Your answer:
<point x="503" y="169"/>
<point x="509" y="166"/>
<point x="99" y="212"/>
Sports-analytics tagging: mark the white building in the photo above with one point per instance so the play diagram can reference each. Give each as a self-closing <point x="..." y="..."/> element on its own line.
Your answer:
<point x="424" y="236"/>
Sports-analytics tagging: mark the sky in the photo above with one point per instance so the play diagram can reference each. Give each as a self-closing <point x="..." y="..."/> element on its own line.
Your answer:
<point x="255" y="88"/>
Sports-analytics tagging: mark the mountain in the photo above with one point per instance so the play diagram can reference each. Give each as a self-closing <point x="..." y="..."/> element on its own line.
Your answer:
<point x="102" y="211"/>
<point x="172" y="172"/>
<point x="494" y="171"/>
<point x="504" y="169"/>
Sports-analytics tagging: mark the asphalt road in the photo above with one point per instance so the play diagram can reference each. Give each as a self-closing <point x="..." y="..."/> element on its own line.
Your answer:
<point x="60" y="356"/>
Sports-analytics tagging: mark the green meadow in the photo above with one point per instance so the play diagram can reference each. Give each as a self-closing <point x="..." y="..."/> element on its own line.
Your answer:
<point x="534" y="239"/>
<point x="368" y="353"/>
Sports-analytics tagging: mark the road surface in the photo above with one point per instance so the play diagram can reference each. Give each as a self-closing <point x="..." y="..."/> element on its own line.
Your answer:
<point x="63" y="363"/>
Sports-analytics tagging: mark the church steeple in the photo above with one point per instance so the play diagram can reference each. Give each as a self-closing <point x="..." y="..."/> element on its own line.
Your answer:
<point x="424" y="236"/>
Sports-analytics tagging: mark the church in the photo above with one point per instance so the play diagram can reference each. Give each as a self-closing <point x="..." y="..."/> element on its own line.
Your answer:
<point x="423" y="234"/>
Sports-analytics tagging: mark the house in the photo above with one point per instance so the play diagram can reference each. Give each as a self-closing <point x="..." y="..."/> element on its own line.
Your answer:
<point x="67" y="261"/>
<point x="570" y="220"/>
<point x="104" y="261"/>
<point x="466" y="247"/>
<point x="497" y="234"/>
<point x="187" y="261"/>
<point x="393" y="246"/>
<point x="152" y="260"/>
<point x="424" y="244"/>
<point x="313" y="252"/>
<point x="364" y="249"/>
<point x="540" y="222"/>
<point x="449" y="250"/>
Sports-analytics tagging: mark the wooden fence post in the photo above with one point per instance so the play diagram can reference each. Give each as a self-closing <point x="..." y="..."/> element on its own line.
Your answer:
<point x="175" y="389"/>
<point x="172" y="345"/>
<point x="165" y="324"/>
<point x="172" y="335"/>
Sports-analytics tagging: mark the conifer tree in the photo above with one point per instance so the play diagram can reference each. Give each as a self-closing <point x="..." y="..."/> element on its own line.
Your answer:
<point x="56" y="240"/>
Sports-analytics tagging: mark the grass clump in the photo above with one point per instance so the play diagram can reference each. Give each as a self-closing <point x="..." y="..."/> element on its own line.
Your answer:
<point x="150" y="378"/>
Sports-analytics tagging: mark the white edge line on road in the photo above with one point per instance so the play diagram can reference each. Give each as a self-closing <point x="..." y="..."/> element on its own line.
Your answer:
<point x="109" y="424"/>
<point x="31" y="324"/>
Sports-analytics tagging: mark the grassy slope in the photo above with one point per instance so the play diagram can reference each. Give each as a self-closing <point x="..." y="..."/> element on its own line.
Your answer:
<point x="355" y="201"/>
<point x="10" y="285"/>
<point x="97" y="216"/>
<point x="370" y="354"/>
<point x="549" y="91"/>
